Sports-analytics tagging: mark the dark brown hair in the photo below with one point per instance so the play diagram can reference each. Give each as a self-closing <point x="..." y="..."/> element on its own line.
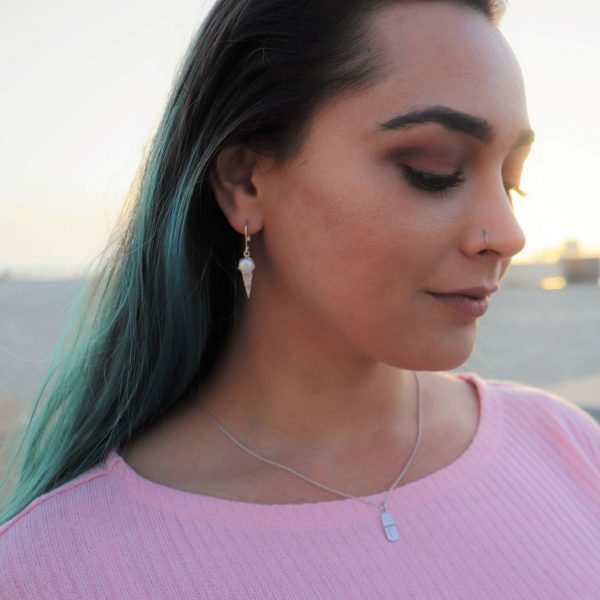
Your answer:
<point x="161" y="310"/>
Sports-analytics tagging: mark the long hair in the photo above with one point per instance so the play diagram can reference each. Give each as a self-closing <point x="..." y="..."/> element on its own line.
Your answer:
<point x="159" y="311"/>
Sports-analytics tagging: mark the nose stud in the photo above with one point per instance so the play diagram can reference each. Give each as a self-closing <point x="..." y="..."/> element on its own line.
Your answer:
<point x="485" y="238"/>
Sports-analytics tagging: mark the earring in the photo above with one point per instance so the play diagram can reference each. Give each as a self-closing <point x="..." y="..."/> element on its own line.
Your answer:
<point x="246" y="264"/>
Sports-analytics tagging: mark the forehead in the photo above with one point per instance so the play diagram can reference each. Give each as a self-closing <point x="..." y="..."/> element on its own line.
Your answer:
<point x="440" y="53"/>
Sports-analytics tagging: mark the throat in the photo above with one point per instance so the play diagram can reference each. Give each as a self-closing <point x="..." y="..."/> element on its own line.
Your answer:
<point x="194" y="456"/>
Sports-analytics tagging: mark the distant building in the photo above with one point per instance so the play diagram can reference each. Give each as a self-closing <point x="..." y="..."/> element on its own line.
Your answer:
<point x="577" y="267"/>
<point x="530" y="276"/>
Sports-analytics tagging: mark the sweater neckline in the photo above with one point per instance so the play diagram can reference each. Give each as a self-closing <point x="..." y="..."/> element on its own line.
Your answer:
<point x="333" y="512"/>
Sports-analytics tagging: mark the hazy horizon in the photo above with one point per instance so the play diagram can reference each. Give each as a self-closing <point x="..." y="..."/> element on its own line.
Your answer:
<point x="80" y="103"/>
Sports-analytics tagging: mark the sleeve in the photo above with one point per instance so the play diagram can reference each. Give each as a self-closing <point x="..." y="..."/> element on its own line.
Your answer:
<point x="29" y="551"/>
<point x="583" y="429"/>
<point x="16" y="581"/>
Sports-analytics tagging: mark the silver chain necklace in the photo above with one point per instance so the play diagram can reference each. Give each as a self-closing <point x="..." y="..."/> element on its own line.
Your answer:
<point x="387" y="518"/>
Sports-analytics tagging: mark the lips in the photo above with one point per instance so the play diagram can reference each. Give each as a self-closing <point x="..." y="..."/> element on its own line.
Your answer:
<point x="478" y="292"/>
<point x="469" y="306"/>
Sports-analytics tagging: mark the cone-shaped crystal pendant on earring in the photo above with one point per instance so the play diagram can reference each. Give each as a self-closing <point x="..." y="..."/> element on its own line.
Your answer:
<point x="246" y="264"/>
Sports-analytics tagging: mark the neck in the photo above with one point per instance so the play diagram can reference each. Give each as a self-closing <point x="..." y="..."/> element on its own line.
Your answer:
<point x="308" y="391"/>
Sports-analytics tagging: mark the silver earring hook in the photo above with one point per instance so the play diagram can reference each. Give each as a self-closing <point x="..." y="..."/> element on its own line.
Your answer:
<point x="485" y="238"/>
<point x="247" y="250"/>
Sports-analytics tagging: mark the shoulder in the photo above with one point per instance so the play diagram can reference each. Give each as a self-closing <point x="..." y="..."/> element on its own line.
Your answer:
<point x="543" y="412"/>
<point x="50" y="530"/>
<point x="64" y="499"/>
<point x="528" y="398"/>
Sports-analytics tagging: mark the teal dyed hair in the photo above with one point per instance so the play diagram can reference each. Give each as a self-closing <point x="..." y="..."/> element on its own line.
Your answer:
<point x="161" y="308"/>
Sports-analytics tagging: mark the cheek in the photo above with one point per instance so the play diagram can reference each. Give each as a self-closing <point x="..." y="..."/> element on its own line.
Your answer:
<point x="353" y="251"/>
<point x="349" y="233"/>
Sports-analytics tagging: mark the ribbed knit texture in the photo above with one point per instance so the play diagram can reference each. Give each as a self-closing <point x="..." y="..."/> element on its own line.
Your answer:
<point x="516" y="516"/>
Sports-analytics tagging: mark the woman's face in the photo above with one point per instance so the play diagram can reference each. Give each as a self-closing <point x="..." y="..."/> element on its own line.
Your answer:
<point x="355" y="235"/>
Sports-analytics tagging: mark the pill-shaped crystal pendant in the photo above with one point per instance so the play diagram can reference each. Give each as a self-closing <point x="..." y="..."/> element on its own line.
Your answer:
<point x="389" y="526"/>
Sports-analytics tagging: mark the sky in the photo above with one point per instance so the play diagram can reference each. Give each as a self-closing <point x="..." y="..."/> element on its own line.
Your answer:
<point x="83" y="85"/>
<point x="558" y="46"/>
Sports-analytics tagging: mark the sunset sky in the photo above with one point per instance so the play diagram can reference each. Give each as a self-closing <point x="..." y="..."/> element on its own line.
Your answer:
<point x="83" y="84"/>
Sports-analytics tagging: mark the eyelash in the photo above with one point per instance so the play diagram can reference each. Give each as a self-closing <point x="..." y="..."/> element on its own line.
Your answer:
<point x="515" y="188"/>
<point x="430" y="182"/>
<point x="443" y="184"/>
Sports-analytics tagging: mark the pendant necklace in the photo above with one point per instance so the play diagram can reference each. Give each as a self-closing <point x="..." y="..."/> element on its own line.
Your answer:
<point x="388" y="521"/>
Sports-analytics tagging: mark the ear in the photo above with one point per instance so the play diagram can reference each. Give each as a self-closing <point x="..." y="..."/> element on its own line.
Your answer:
<point x="236" y="194"/>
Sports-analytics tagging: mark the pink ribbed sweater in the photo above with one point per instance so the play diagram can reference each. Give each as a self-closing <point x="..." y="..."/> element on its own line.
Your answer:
<point x="516" y="516"/>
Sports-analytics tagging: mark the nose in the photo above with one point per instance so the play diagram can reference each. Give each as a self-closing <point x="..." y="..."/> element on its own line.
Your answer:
<point x="503" y="237"/>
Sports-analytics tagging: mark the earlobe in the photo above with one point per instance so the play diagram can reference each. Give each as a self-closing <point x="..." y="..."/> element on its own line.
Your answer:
<point x="236" y="194"/>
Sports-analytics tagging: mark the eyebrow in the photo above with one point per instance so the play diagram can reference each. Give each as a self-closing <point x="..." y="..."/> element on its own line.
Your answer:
<point x="454" y="120"/>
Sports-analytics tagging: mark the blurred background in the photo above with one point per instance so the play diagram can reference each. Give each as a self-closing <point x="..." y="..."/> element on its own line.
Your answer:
<point x="83" y="85"/>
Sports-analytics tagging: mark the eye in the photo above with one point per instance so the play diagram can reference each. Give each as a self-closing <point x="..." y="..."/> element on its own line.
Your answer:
<point x="435" y="183"/>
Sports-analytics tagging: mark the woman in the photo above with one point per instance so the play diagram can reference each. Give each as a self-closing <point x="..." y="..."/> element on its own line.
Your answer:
<point x="256" y="405"/>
